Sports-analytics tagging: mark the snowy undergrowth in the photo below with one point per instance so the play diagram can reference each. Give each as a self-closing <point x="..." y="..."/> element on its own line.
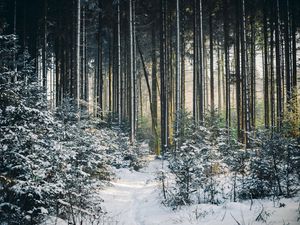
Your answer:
<point x="134" y="198"/>
<point x="51" y="170"/>
<point x="51" y="165"/>
<point x="210" y="166"/>
<point x="46" y="168"/>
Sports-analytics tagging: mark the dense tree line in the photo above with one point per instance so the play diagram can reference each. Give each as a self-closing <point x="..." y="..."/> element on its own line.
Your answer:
<point x="102" y="54"/>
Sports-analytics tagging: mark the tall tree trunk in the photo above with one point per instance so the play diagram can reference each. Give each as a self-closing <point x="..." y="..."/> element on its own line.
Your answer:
<point x="163" y="98"/>
<point x="84" y="76"/>
<point x="44" y="49"/>
<point x="78" y="61"/>
<point x="182" y="73"/>
<point x="278" y="67"/>
<point x="219" y="79"/>
<point x="195" y="64"/>
<point x="178" y="72"/>
<point x="58" y="61"/>
<point x="294" y="48"/>
<point x="201" y="64"/>
<point x="132" y="75"/>
<point x="253" y="70"/>
<point x="227" y="72"/>
<point x="98" y="87"/>
<point x="110" y="75"/>
<point x="272" y="91"/>
<point x="200" y="88"/>
<point x="119" y="65"/>
<point x="287" y="53"/>
<point x="238" y="74"/>
<point x="206" y="91"/>
<point x="211" y="54"/>
<point x="170" y="75"/>
<point x="15" y="33"/>
<point x="266" y="68"/>
<point x="154" y="88"/>
<point x="244" y="74"/>
<point x="135" y="66"/>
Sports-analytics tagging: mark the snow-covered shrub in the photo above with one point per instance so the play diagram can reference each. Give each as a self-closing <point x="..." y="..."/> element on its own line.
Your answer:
<point x="208" y="159"/>
<point x="234" y="157"/>
<point x="25" y="134"/>
<point x="25" y="159"/>
<point x="189" y="174"/>
<point x="47" y="165"/>
<point x="121" y="153"/>
<point x="273" y="167"/>
<point x="194" y="164"/>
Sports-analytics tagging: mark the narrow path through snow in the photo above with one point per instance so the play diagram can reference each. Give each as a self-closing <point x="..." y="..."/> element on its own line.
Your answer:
<point x="133" y="198"/>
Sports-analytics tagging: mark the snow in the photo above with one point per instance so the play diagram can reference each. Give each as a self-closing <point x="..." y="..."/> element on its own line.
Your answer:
<point x="52" y="220"/>
<point x="134" y="198"/>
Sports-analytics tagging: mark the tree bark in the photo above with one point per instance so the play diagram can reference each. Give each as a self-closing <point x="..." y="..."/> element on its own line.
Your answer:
<point x="287" y="53"/>
<point x="266" y="68"/>
<point x="154" y="88"/>
<point x="178" y="72"/>
<point x="211" y="54"/>
<point x="163" y="98"/>
<point x="278" y="67"/>
<point x="78" y="61"/>
<point x="227" y="72"/>
<point x="44" y="50"/>
<point x="132" y="75"/>
<point x="119" y="65"/>
<point x="253" y="70"/>
<point x="238" y="74"/>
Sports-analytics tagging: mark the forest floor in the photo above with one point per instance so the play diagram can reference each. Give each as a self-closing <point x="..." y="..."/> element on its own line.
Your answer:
<point x="134" y="198"/>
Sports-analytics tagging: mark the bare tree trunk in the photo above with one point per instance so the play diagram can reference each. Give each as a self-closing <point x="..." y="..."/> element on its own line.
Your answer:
<point x="253" y="70"/>
<point x="211" y="54"/>
<point x="44" y="49"/>
<point x="132" y="75"/>
<point x="110" y="82"/>
<point x="287" y="54"/>
<point x="15" y="33"/>
<point x="201" y="89"/>
<point x="227" y="72"/>
<point x="154" y="89"/>
<point x="238" y="74"/>
<point x="119" y="66"/>
<point x="272" y="91"/>
<point x="78" y="61"/>
<point x="245" y="74"/>
<point x="195" y="65"/>
<point x="278" y="67"/>
<point x="266" y="70"/>
<point x="170" y="74"/>
<point x="163" y="98"/>
<point x="182" y="73"/>
<point x="84" y="76"/>
<point x="219" y="80"/>
<point x="178" y="72"/>
<point x="136" y="108"/>
<point x="294" y="48"/>
<point x="58" y="62"/>
<point x="98" y="87"/>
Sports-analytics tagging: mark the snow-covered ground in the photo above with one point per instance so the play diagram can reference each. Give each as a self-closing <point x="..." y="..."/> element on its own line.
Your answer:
<point x="134" y="198"/>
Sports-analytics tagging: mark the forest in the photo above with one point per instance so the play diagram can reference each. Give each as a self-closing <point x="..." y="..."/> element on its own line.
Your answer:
<point x="149" y="112"/>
